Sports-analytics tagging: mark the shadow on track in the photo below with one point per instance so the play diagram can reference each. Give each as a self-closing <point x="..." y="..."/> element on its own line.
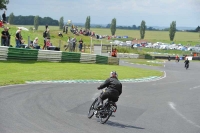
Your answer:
<point x="116" y="124"/>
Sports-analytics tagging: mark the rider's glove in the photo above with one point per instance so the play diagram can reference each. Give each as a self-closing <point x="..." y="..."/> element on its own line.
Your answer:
<point x="98" y="88"/>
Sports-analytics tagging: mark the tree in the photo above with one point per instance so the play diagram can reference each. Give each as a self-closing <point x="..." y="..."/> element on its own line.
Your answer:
<point x="108" y="25"/>
<point x="113" y="26"/>
<point x="61" y="23"/>
<point x="36" y="22"/>
<point x="11" y="18"/>
<point x="87" y="23"/>
<point x="3" y="4"/>
<point x="172" y="30"/>
<point x="197" y="29"/>
<point x="134" y="26"/>
<point x="142" y="29"/>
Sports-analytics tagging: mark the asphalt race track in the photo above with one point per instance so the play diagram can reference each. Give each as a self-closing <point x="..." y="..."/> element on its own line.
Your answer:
<point x="169" y="105"/>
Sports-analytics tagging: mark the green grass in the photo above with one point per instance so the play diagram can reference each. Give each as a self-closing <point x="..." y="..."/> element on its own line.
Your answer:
<point x="19" y="72"/>
<point x="144" y="62"/>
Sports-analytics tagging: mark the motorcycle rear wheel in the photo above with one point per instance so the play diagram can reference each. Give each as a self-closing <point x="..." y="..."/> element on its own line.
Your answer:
<point x="92" y="109"/>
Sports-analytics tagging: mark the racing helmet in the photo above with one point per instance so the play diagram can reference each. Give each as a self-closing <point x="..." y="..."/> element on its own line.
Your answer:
<point x="113" y="74"/>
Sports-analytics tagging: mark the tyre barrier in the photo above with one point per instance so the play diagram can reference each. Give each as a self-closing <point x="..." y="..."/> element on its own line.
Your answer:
<point x="21" y="54"/>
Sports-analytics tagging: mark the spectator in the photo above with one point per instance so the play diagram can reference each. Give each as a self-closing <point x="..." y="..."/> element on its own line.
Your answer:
<point x="74" y="43"/>
<point x="4" y="17"/>
<point x="60" y="34"/>
<point x="4" y="37"/>
<point x="46" y="26"/>
<point x="17" y="38"/>
<point x="63" y="28"/>
<point x="1" y="24"/>
<point x="22" y="41"/>
<point x="81" y="31"/>
<point x="9" y="36"/>
<point x="80" y="44"/>
<point x="68" y="44"/>
<point x="48" y="43"/>
<point x="45" y="38"/>
<point x="35" y="43"/>
<point x="114" y="52"/>
<point x="66" y="29"/>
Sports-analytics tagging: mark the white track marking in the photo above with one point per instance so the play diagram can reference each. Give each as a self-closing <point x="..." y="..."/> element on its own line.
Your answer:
<point x="170" y="82"/>
<point x="13" y="85"/>
<point x="173" y="106"/>
<point x="196" y="87"/>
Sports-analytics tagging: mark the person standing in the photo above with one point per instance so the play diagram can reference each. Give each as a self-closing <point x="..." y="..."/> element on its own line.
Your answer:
<point x="17" y="38"/>
<point x="9" y="37"/>
<point x="68" y="44"/>
<point x="74" y="44"/>
<point x="45" y="38"/>
<point x="46" y="26"/>
<point x="4" y="37"/>
<point x="80" y="44"/>
<point x="4" y="17"/>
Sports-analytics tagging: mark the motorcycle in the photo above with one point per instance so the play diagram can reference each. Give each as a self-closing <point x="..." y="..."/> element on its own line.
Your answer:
<point x="103" y="113"/>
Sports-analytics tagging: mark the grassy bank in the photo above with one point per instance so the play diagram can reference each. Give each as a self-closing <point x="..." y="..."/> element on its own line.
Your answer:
<point x="152" y="36"/>
<point x="19" y="72"/>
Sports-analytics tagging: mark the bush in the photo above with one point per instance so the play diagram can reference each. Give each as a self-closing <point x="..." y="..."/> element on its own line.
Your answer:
<point x="31" y="28"/>
<point x="148" y="56"/>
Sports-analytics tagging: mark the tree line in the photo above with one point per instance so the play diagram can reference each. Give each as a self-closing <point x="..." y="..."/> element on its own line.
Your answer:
<point x="36" y="21"/>
<point x="29" y="20"/>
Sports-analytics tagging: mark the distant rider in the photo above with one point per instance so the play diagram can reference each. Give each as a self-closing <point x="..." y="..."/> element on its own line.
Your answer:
<point x="177" y="58"/>
<point x="187" y="62"/>
<point x="169" y="58"/>
<point x="113" y="91"/>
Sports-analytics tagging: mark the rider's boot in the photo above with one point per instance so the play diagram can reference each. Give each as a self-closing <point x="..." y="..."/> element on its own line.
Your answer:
<point x="100" y="103"/>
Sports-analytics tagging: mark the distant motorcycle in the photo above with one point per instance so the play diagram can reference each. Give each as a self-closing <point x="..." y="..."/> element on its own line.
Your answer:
<point x="186" y="66"/>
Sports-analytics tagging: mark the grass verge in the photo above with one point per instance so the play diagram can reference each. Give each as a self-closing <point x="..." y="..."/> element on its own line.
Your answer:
<point x="19" y="72"/>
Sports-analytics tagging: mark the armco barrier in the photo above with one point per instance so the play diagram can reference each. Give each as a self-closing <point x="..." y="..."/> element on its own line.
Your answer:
<point x="49" y="55"/>
<point x="195" y="58"/>
<point x="88" y="58"/>
<point x="3" y="52"/>
<point x="22" y="54"/>
<point x="101" y="59"/>
<point x="70" y="57"/>
<point x="164" y="57"/>
<point x="127" y="55"/>
<point x="113" y="61"/>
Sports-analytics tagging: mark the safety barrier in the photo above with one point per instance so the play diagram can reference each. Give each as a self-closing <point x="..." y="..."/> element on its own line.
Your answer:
<point x="70" y="57"/>
<point x="21" y="54"/>
<point x="127" y="55"/>
<point x="88" y="58"/>
<point x="112" y="61"/>
<point x="102" y="59"/>
<point x="3" y="53"/>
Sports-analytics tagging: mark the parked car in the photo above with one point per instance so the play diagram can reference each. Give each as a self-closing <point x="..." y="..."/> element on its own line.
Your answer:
<point x="136" y="45"/>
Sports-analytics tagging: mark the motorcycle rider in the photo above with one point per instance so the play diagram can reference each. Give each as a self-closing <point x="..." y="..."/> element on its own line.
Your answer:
<point x="113" y="91"/>
<point x="169" y="58"/>
<point x="187" y="62"/>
